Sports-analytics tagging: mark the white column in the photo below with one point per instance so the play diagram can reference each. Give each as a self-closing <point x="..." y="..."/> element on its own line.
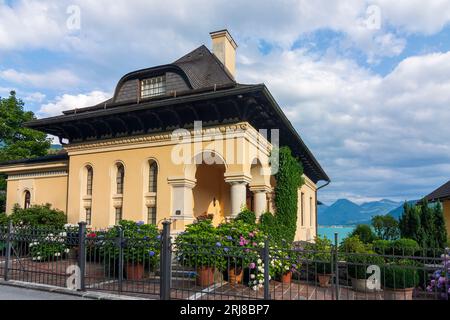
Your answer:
<point x="238" y="192"/>
<point x="238" y="197"/>
<point x="259" y="199"/>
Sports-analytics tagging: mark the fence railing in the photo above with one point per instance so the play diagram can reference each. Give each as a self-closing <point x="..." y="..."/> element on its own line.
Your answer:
<point x="158" y="268"/>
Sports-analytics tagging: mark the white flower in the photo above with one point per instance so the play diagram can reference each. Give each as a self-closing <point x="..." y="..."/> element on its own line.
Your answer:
<point x="38" y="258"/>
<point x="259" y="261"/>
<point x="260" y="286"/>
<point x="252" y="276"/>
<point x="57" y="254"/>
<point x="270" y="277"/>
<point x="63" y="234"/>
<point x="286" y="267"/>
<point x="255" y="288"/>
<point x="66" y="250"/>
<point x="261" y="281"/>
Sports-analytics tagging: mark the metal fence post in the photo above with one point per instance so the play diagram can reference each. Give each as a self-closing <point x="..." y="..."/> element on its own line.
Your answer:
<point x="336" y="264"/>
<point x="120" y="243"/>
<point x="82" y="254"/>
<point x="8" y="250"/>
<point x="266" y="270"/>
<point x="165" y="263"/>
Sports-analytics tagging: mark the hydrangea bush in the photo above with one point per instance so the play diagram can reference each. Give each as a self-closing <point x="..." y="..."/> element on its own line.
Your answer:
<point x="49" y="248"/>
<point x="440" y="280"/>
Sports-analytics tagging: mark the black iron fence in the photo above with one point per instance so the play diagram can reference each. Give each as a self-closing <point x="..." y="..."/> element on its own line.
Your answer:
<point x="159" y="268"/>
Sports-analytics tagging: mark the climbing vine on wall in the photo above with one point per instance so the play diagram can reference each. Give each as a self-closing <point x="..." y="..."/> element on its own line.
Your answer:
<point x="283" y="225"/>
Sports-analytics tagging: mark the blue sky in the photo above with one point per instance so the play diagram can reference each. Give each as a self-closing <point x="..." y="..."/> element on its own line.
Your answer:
<point x="366" y="83"/>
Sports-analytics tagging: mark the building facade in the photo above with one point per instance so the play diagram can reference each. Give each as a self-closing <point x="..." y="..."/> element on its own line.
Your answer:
<point x="177" y="141"/>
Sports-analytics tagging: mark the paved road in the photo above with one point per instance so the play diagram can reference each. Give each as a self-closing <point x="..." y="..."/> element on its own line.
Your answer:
<point x="13" y="293"/>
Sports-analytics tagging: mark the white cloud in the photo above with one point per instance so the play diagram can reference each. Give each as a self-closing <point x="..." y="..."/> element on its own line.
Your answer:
<point x="377" y="136"/>
<point x="176" y="25"/>
<point x="67" y="102"/>
<point x="35" y="97"/>
<point x="57" y="79"/>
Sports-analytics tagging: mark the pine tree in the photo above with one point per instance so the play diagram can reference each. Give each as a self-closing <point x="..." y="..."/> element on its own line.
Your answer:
<point x="440" y="228"/>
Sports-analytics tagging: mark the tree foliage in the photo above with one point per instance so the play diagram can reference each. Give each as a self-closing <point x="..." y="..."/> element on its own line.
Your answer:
<point x="17" y="141"/>
<point x="425" y="224"/>
<point x="386" y="227"/>
<point x="364" y="233"/>
<point x="283" y="225"/>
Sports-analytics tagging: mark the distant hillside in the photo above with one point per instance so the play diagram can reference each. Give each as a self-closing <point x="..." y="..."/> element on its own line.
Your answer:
<point x="346" y="212"/>
<point x="397" y="212"/>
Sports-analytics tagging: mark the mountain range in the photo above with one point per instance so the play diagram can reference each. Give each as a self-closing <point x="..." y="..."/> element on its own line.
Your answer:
<point x="346" y="212"/>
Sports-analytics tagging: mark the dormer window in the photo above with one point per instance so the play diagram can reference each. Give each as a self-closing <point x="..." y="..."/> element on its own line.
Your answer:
<point x="153" y="87"/>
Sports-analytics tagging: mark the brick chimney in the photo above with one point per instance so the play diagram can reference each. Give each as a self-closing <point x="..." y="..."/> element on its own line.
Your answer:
<point x="224" y="48"/>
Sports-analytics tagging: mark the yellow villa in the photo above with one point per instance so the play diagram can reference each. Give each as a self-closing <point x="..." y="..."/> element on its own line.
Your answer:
<point x="175" y="141"/>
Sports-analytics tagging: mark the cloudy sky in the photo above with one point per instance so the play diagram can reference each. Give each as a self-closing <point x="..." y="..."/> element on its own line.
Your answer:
<point x="366" y="83"/>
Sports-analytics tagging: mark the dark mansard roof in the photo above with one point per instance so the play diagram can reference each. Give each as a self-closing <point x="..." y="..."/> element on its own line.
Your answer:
<point x="441" y="193"/>
<point x="198" y="88"/>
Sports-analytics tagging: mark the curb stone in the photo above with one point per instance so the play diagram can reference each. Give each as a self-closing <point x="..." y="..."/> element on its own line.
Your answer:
<point x="60" y="290"/>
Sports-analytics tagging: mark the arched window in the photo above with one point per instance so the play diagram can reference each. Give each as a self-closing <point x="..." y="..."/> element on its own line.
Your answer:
<point x="153" y="176"/>
<point x="120" y="178"/>
<point x="89" y="179"/>
<point x="27" y="199"/>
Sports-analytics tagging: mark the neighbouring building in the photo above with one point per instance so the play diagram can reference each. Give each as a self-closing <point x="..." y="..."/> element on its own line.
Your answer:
<point x="442" y="194"/>
<point x="177" y="141"/>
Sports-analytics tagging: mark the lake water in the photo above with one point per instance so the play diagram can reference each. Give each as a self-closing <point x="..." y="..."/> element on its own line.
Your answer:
<point x="329" y="231"/>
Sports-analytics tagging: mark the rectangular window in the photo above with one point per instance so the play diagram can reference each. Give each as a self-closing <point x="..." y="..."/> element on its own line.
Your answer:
<point x="302" y="208"/>
<point x="118" y="215"/>
<point x="153" y="87"/>
<point x="151" y="215"/>
<point x="88" y="216"/>
<point x="311" y="211"/>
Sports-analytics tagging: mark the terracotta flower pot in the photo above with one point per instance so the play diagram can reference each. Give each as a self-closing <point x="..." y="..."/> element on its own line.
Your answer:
<point x="286" y="278"/>
<point x="235" y="276"/>
<point x="398" y="294"/>
<point x="205" y="276"/>
<point x="324" y="280"/>
<point x="135" y="271"/>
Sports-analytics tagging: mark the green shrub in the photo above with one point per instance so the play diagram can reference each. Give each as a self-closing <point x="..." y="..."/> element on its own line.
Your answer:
<point x="405" y="247"/>
<point x="364" y="232"/>
<point x="49" y="247"/>
<point x="247" y="216"/>
<point x="400" y="275"/>
<point x="319" y="255"/>
<point x="382" y="246"/>
<point x="199" y="246"/>
<point x="4" y="219"/>
<point x="142" y="242"/>
<point x="38" y="216"/>
<point x="352" y="244"/>
<point x="359" y="257"/>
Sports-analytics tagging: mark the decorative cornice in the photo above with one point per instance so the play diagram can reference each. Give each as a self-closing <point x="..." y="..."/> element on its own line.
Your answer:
<point x="237" y="178"/>
<point x="167" y="137"/>
<point x="181" y="182"/>
<point x="34" y="175"/>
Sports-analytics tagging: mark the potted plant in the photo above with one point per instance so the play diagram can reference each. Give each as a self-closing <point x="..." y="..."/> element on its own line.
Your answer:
<point x="199" y="247"/>
<point x="400" y="279"/>
<point x="320" y="259"/>
<point x="141" y="247"/>
<point x="240" y="240"/>
<point x="359" y="257"/>
<point x="284" y="261"/>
